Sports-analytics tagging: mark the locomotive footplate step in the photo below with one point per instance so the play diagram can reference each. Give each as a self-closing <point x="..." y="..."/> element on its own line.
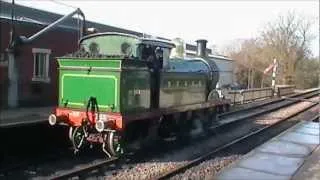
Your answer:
<point x="283" y="157"/>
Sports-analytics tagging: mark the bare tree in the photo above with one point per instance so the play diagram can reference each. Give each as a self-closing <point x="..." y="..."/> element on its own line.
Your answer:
<point x="249" y="63"/>
<point x="288" y="39"/>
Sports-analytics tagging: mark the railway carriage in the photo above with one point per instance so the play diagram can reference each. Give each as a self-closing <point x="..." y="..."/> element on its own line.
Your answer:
<point x="119" y="88"/>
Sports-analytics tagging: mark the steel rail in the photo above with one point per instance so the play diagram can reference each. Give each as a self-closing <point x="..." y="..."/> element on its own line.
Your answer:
<point x="26" y="162"/>
<point x="77" y="172"/>
<point x="302" y="99"/>
<point x="316" y="118"/>
<point x="182" y="168"/>
<point x="225" y="122"/>
<point x="85" y="169"/>
<point x="88" y="168"/>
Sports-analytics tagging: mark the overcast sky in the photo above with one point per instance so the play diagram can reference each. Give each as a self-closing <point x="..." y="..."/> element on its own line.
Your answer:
<point x="219" y="22"/>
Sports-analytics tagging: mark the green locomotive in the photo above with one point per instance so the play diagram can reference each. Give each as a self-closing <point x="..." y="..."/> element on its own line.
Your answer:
<point x="119" y="88"/>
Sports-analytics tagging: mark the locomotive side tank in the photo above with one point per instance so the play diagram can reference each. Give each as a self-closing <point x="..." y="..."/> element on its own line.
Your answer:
<point x="183" y="82"/>
<point x="187" y="81"/>
<point x="118" y="87"/>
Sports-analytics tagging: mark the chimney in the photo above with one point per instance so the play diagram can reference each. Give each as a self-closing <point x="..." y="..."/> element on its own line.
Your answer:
<point x="202" y="47"/>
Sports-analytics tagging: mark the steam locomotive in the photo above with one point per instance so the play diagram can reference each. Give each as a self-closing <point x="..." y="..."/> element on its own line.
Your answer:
<point x="119" y="88"/>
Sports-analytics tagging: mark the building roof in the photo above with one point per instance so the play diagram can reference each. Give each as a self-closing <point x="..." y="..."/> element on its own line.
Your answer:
<point x="37" y="16"/>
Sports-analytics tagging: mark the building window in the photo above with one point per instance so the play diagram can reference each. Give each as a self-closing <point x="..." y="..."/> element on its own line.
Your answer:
<point x="41" y="64"/>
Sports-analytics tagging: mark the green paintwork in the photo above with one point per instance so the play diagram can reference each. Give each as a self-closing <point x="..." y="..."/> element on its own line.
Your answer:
<point x="123" y="85"/>
<point x="74" y="62"/>
<point x="76" y="86"/>
<point x="91" y="86"/>
<point x="130" y="95"/>
<point x="135" y="91"/>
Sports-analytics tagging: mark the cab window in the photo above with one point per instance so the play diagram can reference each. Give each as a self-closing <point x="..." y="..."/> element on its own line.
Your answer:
<point x="110" y="45"/>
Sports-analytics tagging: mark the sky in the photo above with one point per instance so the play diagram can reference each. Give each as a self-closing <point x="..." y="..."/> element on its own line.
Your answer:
<point x="220" y="22"/>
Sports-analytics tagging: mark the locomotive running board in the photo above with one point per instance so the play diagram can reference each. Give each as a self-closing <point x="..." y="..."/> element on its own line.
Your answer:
<point x="170" y="110"/>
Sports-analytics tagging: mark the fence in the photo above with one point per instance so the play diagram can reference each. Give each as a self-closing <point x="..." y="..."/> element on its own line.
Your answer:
<point x="247" y="95"/>
<point x="282" y="90"/>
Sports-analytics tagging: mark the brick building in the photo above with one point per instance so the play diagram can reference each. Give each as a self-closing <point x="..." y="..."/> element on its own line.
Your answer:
<point x="36" y="62"/>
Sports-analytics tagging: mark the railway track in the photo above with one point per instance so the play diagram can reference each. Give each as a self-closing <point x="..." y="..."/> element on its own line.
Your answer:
<point x="250" y="112"/>
<point x="23" y="146"/>
<point x="87" y="169"/>
<point x="268" y="102"/>
<point x="26" y="162"/>
<point x="211" y="166"/>
<point x="177" y="159"/>
<point x="182" y="168"/>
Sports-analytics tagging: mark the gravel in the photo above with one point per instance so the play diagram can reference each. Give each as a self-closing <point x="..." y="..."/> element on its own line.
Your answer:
<point x="171" y="160"/>
<point x="164" y="162"/>
<point x="208" y="169"/>
<point x="145" y="170"/>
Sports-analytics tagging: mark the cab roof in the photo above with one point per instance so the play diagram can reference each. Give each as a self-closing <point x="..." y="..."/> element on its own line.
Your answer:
<point x="142" y="40"/>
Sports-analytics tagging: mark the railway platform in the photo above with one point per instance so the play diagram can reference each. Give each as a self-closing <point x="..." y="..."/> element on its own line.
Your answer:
<point x="24" y="116"/>
<point x="294" y="154"/>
